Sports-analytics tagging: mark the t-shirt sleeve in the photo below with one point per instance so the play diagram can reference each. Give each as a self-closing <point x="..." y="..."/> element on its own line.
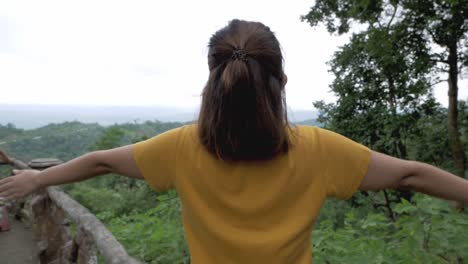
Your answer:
<point x="156" y="159"/>
<point x="346" y="164"/>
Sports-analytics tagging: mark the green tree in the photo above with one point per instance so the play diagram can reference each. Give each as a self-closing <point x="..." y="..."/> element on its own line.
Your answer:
<point x="383" y="89"/>
<point x="463" y="119"/>
<point x="433" y="33"/>
<point x="111" y="138"/>
<point x="8" y="130"/>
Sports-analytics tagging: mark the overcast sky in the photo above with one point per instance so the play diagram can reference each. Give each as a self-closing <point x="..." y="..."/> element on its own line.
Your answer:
<point x="147" y="52"/>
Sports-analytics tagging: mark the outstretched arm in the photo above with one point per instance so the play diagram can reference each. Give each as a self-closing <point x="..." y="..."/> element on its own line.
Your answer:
<point x="118" y="160"/>
<point x="389" y="172"/>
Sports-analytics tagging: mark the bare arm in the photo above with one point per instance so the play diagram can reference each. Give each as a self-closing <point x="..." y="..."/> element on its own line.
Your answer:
<point x="388" y="172"/>
<point x="118" y="160"/>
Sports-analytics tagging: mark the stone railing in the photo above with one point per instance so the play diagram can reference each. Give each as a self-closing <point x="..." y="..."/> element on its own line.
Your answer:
<point x="66" y="231"/>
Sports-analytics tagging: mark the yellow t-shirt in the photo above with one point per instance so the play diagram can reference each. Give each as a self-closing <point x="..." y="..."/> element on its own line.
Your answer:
<point x="252" y="212"/>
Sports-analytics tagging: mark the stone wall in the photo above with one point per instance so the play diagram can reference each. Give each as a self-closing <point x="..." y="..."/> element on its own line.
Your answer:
<point x="66" y="231"/>
<point x="69" y="233"/>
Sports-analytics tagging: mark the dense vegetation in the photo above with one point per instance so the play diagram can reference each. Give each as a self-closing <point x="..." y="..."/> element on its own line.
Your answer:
<point x="70" y="139"/>
<point x="147" y="223"/>
<point x="360" y="230"/>
<point x="383" y="81"/>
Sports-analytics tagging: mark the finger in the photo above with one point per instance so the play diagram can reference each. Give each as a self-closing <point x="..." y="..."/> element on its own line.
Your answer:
<point x="7" y="195"/>
<point x="6" y="192"/>
<point x="6" y="180"/>
<point x="15" y="172"/>
<point x="4" y="187"/>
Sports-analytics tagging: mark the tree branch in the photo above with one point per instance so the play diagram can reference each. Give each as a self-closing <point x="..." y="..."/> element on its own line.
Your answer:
<point x="440" y="60"/>
<point x="393" y="16"/>
<point x="439" y="81"/>
<point x="435" y="38"/>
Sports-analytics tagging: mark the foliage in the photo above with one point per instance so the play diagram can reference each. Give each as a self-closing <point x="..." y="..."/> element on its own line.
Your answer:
<point x="71" y="139"/>
<point x="424" y="232"/>
<point x="383" y="82"/>
<point x="420" y="41"/>
<point x="154" y="236"/>
<point x="384" y="77"/>
<point x="383" y="89"/>
<point x="111" y="138"/>
<point x="429" y="142"/>
<point x="149" y="224"/>
<point x="9" y="130"/>
<point x="380" y="92"/>
<point x="463" y="119"/>
<point x="64" y="141"/>
<point x="5" y="171"/>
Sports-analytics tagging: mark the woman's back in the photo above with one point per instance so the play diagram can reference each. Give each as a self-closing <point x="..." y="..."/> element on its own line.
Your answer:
<point x="252" y="211"/>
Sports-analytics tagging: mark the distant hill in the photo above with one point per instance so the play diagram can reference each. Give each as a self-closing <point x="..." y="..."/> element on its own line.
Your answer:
<point x="67" y="140"/>
<point x="64" y="132"/>
<point x="70" y="139"/>
<point x="34" y="116"/>
<point x="309" y="122"/>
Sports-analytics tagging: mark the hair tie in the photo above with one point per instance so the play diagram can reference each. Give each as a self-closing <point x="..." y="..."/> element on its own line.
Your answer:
<point x="239" y="54"/>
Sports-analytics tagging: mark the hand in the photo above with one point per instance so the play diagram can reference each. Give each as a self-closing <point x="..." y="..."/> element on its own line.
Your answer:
<point x="21" y="184"/>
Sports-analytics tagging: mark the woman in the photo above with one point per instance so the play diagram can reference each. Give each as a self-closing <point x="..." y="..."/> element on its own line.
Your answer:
<point x="251" y="186"/>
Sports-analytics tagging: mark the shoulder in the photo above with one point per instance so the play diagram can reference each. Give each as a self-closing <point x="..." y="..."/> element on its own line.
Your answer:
<point x="305" y="134"/>
<point x="178" y="132"/>
<point x="171" y="138"/>
<point x="323" y="140"/>
<point x="305" y="129"/>
<point x="316" y="133"/>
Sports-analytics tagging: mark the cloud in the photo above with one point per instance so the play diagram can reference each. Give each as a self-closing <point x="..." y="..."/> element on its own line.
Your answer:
<point x="144" y="52"/>
<point x="6" y="36"/>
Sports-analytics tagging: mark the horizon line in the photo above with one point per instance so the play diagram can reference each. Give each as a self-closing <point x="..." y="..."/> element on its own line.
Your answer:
<point x="133" y="105"/>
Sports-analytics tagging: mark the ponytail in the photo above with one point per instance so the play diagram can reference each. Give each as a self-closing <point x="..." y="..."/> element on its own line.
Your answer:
<point x="243" y="112"/>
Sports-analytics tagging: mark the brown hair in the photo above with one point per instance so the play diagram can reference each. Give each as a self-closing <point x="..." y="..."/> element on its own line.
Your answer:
<point x="243" y="112"/>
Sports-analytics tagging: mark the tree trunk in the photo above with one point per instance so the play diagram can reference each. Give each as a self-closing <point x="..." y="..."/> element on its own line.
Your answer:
<point x="399" y="147"/>
<point x="454" y="133"/>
